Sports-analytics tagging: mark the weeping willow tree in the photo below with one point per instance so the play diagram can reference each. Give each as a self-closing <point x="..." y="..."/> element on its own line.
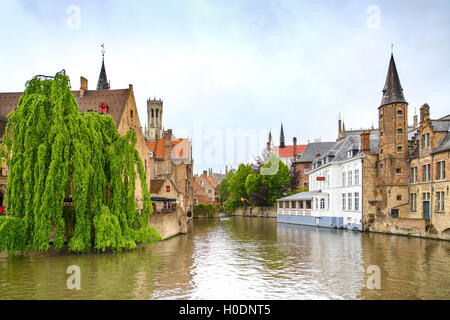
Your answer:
<point x="56" y="154"/>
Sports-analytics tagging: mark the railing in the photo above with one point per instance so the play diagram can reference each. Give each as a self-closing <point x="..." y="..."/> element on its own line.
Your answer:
<point x="164" y="211"/>
<point x="295" y="212"/>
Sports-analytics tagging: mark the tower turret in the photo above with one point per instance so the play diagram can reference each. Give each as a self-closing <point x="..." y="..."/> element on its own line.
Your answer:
<point x="155" y="113"/>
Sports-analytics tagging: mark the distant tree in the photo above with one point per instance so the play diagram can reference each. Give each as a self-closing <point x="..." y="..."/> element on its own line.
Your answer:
<point x="224" y="193"/>
<point x="278" y="183"/>
<point x="236" y="187"/>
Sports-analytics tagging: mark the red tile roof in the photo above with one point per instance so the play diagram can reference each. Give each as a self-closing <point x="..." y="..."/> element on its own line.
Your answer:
<point x="288" y="151"/>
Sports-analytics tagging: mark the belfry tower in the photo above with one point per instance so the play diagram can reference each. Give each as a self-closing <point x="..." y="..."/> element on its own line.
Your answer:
<point x="155" y="113"/>
<point x="393" y="141"/>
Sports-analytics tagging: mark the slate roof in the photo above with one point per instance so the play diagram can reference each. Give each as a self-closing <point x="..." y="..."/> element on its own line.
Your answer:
<point x="314" y="148"/>
<point x="441" y="125"/>
<point x="444" y="145"/>
<point x="308" y="195"/>
<point x="339" y="151"/>
<point x="392" y="91"/>
<point x="102" y="83"/>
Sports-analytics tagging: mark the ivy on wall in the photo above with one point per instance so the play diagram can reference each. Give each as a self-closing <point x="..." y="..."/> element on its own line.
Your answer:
<point x="55" y="153"/>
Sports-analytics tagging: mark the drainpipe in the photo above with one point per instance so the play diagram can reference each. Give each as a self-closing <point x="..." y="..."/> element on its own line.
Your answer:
<point x="431" y="191"/>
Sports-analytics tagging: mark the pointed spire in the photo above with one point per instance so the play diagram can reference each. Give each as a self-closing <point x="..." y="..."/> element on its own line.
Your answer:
<point x="392" y="91"/>
<point x="103" y="83"/>
<point x="282" y="145"/>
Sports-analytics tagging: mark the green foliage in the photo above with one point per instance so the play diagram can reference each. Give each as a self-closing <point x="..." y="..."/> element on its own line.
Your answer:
<point x="206" y="210"/>
<point x="277" y="183"/>
<point x="260" y="189"/>
<point x="53" y="153"/>
<point x="224" y="194"/>
<point x="302" y="189"/>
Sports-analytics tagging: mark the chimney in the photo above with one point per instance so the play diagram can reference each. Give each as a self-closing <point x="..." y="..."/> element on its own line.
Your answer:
<point x="226" y="169"/>
<point x="424" y="112"/>
<point x="295" y="148"/>
<point x="415" y="121"/>
<point x="83" y="86"/>
<point x="340" y="128"/>
<point x="205" y="173"/>
<point x="365" y="142"/>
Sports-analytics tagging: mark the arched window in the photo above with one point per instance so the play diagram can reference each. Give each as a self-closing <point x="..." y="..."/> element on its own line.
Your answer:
<point x="157" y="111"/>
<point x="153" y="113"/>
<point x="322" y="204"/>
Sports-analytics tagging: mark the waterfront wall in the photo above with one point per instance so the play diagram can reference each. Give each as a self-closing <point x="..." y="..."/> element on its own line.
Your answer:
<point x="169" y="225"/>
<point x="268" y="212"/>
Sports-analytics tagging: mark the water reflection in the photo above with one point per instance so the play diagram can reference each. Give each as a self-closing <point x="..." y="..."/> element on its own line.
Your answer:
<point x="243" y="258"/>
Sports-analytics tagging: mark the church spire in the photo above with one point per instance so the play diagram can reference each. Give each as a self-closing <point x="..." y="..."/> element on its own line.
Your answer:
<point x="392" y="91"/>
<point x="282" y="145"/>
<point x="102" y="79"/>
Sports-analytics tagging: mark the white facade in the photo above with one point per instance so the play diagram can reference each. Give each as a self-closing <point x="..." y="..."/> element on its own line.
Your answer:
<point x="340" y="193"/>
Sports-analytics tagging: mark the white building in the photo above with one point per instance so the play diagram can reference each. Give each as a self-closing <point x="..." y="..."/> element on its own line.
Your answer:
<point x="335" y="184"/>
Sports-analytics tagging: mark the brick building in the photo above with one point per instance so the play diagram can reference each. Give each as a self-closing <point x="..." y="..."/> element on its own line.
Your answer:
<point x="206" y="187"/>
<point x="406" y="184"/>
<point x="170" y="161"/>
<point x="120" y="104"/>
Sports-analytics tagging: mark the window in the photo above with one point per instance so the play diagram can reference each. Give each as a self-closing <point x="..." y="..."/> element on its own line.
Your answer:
<point x="399" y="198"/>
<point x="157" y="111"/>
<point x="317" y="203"/>
<point x="322" y="204"/>
<point x="209" y="191"/>
<point x="356" y="201"/>
<point x="286" y="204"/>
<point x="131" y="113"/>
<point x="394" y="213"/>
<point x="413" y="202"/>
<point x="294" y="204"/>
<point x="308" y="204"/>
<point x="441" y="170"/>
<point x="343" y="179"/>
<point x="357" y="177"/>
<point x="398" y="170"/>
<point x="344" y="202"/>
<point x="425" y="140"/>
<point x="103" y="108"/>
<point x="399" y="149"/>
<point x="300" y="204"/>
<point x="399" y="130"/>
<point x="426" y="172"/>
<point x="399" y="112"/>
<point x="381" y="115"/>
<point x="440" y="201"/>
<point x="350" y="178"/>
<point x="280" y="204"/>
<point x="414" y="175"/>
<point x="349" y="201"/>
<point x="153" y="113"/>
<point x="381" y="133"/>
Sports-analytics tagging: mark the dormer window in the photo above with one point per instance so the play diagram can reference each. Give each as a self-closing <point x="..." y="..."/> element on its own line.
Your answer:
<point x="103" y="108"/>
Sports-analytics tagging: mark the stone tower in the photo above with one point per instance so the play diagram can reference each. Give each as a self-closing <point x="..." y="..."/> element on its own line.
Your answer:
<point x="155" y="113"/>
<point x="393" y="142"/>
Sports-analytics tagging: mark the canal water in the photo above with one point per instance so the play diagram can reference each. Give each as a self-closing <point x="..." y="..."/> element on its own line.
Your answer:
<point x="244" y="258"/>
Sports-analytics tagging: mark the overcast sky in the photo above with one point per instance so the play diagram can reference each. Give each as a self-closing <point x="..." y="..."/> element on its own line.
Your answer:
<point x="224" y="66"/>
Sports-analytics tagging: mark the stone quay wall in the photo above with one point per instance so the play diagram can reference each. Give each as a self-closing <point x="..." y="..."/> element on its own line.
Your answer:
<point x="267" y="212"/>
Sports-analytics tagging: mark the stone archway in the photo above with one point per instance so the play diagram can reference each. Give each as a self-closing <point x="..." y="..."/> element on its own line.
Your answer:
<point x="446" y="232"/>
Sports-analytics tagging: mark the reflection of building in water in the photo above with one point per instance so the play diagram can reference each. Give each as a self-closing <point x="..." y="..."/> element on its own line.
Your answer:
<point x="421" y="273"/>
<point x="326" y="260"/>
